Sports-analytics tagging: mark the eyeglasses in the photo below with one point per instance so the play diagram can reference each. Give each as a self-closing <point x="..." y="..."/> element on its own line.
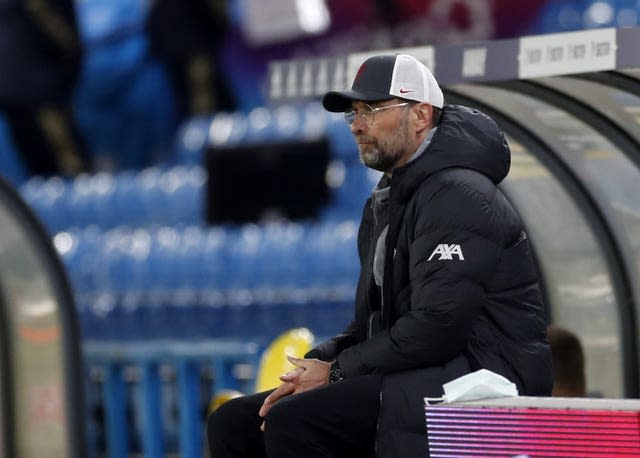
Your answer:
<point x="368" y="113"/>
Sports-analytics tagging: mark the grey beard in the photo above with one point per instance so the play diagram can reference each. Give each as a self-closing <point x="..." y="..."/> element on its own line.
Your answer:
<point x="377" y="160"/>
<point x="387" y="152"/>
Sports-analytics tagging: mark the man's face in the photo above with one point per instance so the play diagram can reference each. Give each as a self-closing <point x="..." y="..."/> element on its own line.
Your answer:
<point x="383" y="139"/>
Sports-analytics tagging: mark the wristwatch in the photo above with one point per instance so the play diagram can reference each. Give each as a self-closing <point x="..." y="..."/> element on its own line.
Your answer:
<point x="335" y="373"/>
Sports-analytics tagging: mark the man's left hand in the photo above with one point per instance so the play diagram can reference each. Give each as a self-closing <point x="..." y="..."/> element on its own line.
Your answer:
<point x="308" y="374"/>
<point x="316" y="373"/>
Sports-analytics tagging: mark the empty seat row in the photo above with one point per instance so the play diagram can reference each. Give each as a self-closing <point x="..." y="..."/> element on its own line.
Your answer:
<point x="269" y="258"/>
<point x="218" y="282"/>
<point x="164" y="197"/>
<point x="286" y="123"/>
<point x="153" y="196"/>
<point x="122" y="317"/>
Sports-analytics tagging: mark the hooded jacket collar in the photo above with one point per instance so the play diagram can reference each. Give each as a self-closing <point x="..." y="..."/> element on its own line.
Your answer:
<point x="465" y="138"/>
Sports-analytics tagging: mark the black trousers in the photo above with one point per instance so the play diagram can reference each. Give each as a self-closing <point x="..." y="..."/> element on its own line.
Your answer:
<point x="337" y="420"/>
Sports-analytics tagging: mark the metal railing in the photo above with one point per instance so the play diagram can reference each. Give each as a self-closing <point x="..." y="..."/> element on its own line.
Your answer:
<point x="129" y="385"/>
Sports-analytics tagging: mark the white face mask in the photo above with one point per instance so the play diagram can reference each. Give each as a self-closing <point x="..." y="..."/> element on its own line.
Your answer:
<point x="482" y="384"/>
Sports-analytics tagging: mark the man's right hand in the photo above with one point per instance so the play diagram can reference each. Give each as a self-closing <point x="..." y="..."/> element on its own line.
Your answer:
<point x="287" y="387"/>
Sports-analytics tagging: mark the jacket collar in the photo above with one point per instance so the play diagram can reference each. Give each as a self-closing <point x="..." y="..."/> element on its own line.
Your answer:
<point x="464" y="138"/>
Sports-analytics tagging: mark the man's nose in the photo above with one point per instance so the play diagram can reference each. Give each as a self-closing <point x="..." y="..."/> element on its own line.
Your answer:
<point x="358" y="125"/>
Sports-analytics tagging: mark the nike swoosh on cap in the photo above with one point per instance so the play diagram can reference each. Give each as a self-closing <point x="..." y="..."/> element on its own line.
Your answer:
<point x="405" y="91"/>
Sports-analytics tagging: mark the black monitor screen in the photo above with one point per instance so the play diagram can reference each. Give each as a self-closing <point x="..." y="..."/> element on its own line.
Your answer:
<point x="262" y="181"/>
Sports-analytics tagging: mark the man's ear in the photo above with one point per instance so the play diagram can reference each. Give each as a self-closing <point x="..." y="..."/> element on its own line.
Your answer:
<point x="424" y="114"/>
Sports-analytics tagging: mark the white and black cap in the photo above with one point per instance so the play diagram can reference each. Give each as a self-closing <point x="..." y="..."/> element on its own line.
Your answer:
<point x="387" y="77"/>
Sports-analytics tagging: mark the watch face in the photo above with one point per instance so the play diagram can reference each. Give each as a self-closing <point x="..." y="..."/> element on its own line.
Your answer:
<point x="335" y="375"/>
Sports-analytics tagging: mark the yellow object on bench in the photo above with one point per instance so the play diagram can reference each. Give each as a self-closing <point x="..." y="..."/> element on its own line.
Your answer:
<point x="295" y="342"/>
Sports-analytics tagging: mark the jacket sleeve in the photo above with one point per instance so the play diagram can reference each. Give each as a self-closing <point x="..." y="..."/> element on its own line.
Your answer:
<point x="328" y="350"/>
<point x="454" y="250"/>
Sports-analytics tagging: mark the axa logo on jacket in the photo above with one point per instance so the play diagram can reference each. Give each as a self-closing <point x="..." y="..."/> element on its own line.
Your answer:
<point x="447" y="252"/>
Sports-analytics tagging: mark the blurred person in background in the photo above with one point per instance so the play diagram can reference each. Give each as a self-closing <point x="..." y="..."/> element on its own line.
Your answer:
<point x="447" y="284"/>
<point x="187" y="37"/>
<point x="568" y="363"/>
<point x="41" y="54"/>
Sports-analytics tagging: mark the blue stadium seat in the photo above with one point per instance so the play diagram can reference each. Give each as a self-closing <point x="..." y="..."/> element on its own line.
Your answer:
<point x="47" y="198"/>
<point x="228" y="129"/>
<point x="191" y="140"/>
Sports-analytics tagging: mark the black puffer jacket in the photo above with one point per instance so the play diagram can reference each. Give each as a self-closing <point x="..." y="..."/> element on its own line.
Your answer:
<point x="461" y="292"/>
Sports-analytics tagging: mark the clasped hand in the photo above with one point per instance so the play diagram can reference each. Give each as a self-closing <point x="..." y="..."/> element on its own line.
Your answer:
<point x="308" y="374"/>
